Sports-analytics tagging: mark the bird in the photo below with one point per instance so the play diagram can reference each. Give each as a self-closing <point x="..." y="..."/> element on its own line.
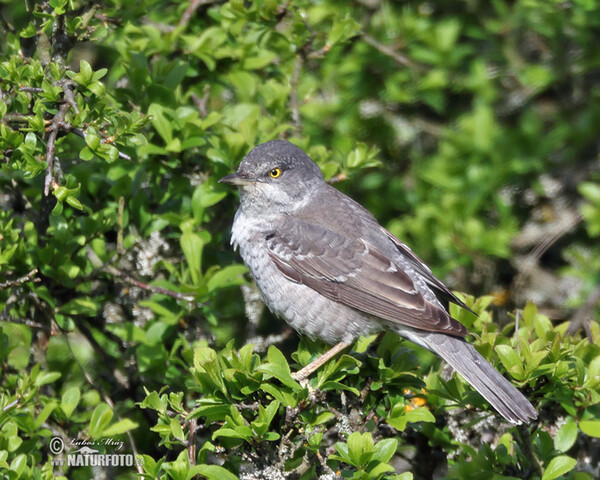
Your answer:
<point x="324" y="264"/>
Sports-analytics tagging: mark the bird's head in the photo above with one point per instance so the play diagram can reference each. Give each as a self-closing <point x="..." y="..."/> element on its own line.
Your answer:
<point x="275" y="177"/>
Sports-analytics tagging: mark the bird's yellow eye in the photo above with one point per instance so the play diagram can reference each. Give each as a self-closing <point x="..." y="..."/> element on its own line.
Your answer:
<point x="275" y="173"/>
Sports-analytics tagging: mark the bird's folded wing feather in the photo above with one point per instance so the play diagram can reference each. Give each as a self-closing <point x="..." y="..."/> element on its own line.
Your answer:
<point x="425" y="272"/>
<point x="354" y="272"/>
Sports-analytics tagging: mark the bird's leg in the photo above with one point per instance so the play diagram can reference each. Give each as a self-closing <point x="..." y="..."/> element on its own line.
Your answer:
<point x="301" y="376"/>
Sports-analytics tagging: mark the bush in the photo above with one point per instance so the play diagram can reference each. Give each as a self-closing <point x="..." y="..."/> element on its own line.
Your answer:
<point x="129" y="325"/>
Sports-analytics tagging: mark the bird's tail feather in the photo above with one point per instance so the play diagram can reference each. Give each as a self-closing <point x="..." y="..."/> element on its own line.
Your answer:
<point x="476" y="370"/>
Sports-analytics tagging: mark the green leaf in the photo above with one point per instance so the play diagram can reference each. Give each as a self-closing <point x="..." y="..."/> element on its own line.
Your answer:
<point x="229" y="276"/>
<point x="192" y="245"/>
<point x="44" y="414"/>
<point x="559" y="466"/>
<point x="214" y="472"/>
<point x="399" y="418"/>
<point x="358" y="444"/>
<point x="47" y="377"/>
<point x="385" y="449"/>
<point x="160" y="122"/>
<point x="278" y="367"/>
<point x="592" y="377"/>
<point x="511" y="361"/>
<point x="70" y="400"/>
<point x="566" y="436"/>
<point x="421" y="414"/>
<point x="101" y="417"/>
<point x="176" y="430"/>
<point x="92" y="139"/>
<point x="590" y="427"/>
<point x="342" y="30"/>
<point x="85" y="69"/>
<point x="120" y="427"/>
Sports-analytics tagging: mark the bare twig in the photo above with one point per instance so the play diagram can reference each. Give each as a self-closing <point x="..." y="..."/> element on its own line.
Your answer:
<point x="202" y="103"/>
<point x="61" y="42"/>
<point x="112" y="270"/>
<point x="11" y="405"/>
<point x="31" y="89"/>
<point x="399" y="58"/>
<point x="193" y="426"/>
<point x="58" y="123"/>
<point x="18" y="281"/>
<point x="16" y="117"/>
<point x="7" y="26"/>
<point x="340" y="177"/>
<point x="120" y="222"/>
<point x="262" y="344"/>
<point x="319" y="53"/>
<point x="69" y="96"/>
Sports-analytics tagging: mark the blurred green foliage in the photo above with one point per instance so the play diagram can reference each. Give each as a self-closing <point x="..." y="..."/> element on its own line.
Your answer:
<point x="469" y="129"/>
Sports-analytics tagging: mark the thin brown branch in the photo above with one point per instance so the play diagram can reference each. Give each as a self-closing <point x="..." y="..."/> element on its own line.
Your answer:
<point x="151" y="288"/>
<point x="397" y="57"/>
<point x="16" y="117"/>
<point x="202" y="103"/>
<point x="112" y="270"/>
<point x="58" y="123"/>
<point x="262" y="344"/>
<point x="340" y="177"/>
<point x="193" y="426"/>
<point x="7" y="26"/>
<point x="24" y="279"/>
<point x="68" y="95"/>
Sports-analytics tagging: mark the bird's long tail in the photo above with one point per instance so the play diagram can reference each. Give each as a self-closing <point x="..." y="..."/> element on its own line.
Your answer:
<point x="476" y="370"/>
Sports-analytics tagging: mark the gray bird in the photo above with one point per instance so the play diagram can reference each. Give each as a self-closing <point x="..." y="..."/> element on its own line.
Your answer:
<point x="324" y="264"/>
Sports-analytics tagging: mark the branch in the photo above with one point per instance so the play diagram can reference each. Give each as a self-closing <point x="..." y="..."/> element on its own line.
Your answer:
<point x="61" y="42"/>
<point x="340" y="177"/>
<point x="201" y="103"/>
<point x="11" y="404"/>
<point x="24" y="279"/>
<point x="31" y="89"/>
<point x="58" y="123"/>
<point x="112" y="270"/>
<point x="193" y="426"/>
<point x="262" y="344"/>
<point x="16" y="118"/>
<point x="397" y="57"/>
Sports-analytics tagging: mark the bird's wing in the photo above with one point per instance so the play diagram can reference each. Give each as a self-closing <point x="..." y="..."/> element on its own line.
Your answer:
<point x="354" y="272"/>
<point x="427" y="275"/>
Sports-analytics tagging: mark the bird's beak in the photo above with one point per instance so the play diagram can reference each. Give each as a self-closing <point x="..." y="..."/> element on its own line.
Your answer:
<point x="238" y="179"/>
